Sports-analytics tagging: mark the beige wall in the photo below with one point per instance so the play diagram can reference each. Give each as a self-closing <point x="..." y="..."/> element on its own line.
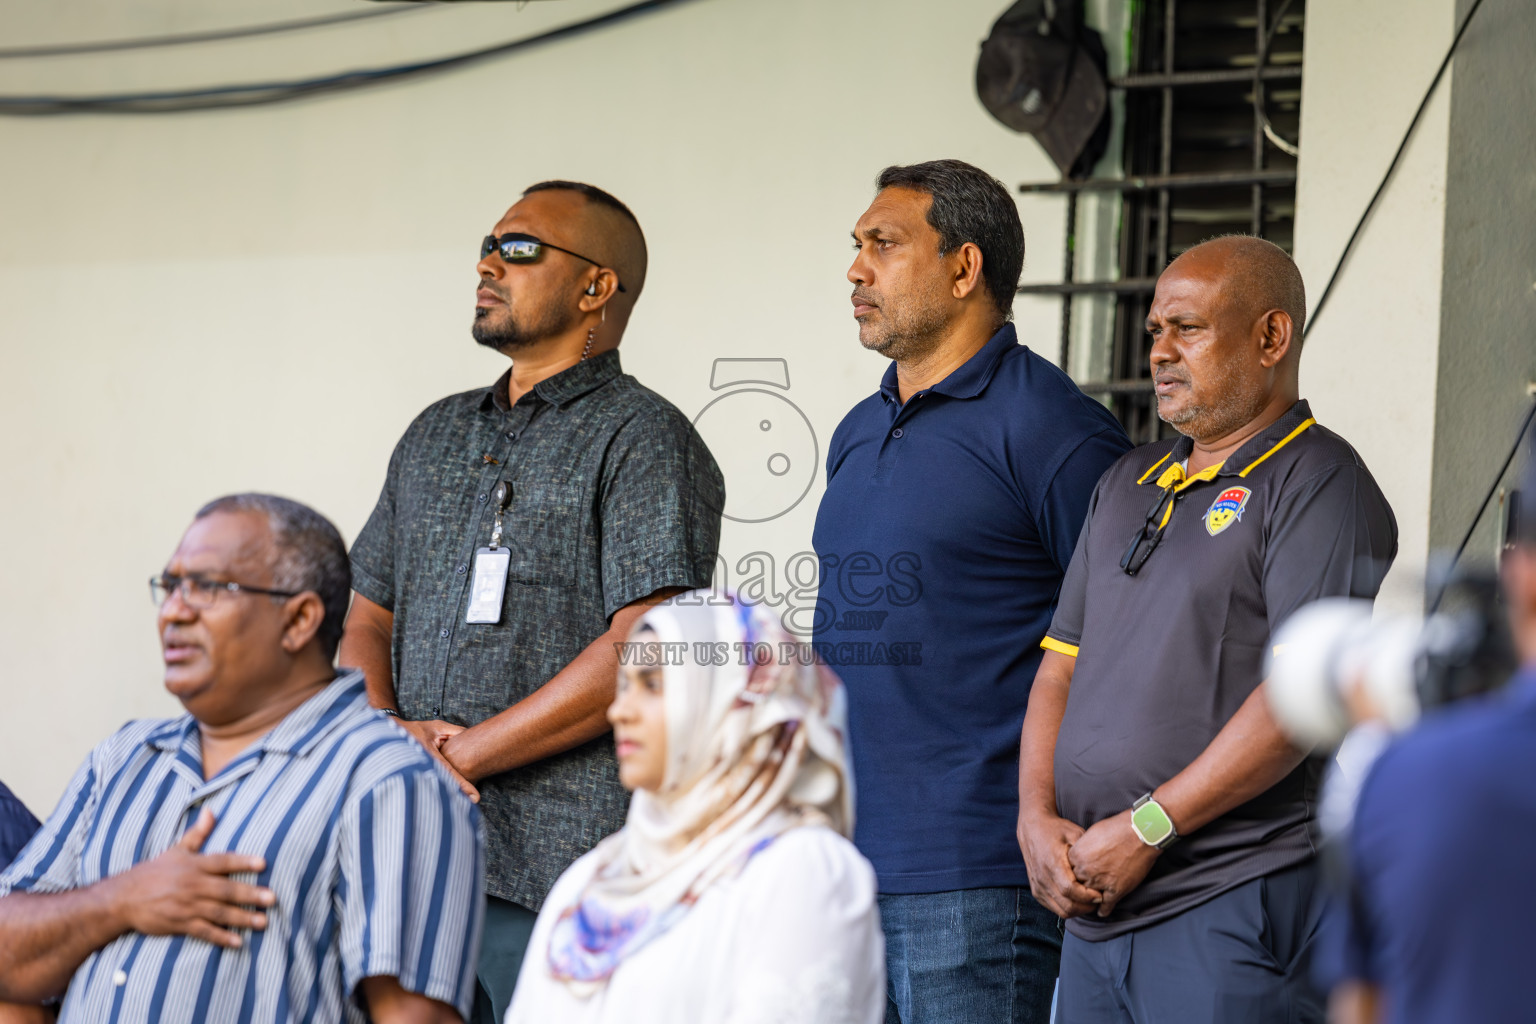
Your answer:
<point x="1424" y="357"/>
<point x="1370" y="368"/>
<point x="263" y="299"/>
<point x="1488" y="310"/>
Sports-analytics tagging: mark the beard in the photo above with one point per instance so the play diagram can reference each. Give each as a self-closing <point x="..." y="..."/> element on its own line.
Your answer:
<point x="908" y="330"/>
<point x="508" y="333"/>
<point x="1225" y="404"/>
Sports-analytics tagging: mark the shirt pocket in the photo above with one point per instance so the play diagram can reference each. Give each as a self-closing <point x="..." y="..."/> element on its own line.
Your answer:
<point x="543" y="531"/>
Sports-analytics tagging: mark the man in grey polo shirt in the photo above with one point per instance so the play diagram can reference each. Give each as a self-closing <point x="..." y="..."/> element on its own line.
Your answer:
<point x="1161" y="810"/>
<point x="596" y="498"/>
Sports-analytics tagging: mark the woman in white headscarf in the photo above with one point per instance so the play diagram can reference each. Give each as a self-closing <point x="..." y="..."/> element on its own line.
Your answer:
<point x="732" y="894"/>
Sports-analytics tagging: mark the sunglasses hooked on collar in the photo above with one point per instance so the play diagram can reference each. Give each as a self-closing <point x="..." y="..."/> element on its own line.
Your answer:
<point x="1151" y="533"/>
<point x="520" y="248"/>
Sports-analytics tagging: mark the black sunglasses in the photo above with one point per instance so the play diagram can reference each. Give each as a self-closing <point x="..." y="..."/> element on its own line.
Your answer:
<point x="519" y="248"/>
<point x="1151" y="533"/>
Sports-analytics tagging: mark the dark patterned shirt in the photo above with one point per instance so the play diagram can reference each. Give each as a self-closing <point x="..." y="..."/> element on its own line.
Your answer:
<point x="615" y="497"/>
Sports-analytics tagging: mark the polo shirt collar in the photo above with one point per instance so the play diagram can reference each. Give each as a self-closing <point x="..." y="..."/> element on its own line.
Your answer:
<point x="565" y="386"/>
<point x="970" y="378"/>
<point x="296" y="734"/>
<point x="172" y="735"/>
<point x="1168" y="471"/>
<point x="308" y="723"/>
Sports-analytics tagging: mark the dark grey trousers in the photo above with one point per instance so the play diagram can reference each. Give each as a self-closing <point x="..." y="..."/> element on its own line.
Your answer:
<point x="1242" y="958"/>
<point x="508" y="927"/>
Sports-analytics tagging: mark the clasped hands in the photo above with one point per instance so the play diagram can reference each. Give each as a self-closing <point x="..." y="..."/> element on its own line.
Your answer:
<point x="434" y="735"/>
<point x="1075" y="872"/>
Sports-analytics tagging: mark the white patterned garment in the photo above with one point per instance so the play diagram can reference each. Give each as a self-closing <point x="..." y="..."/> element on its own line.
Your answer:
<point x="732" y="894"/>
<point x="795" y="937"/>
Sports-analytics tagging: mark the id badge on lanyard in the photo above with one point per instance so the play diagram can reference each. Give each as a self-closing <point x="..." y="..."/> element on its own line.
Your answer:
<point x="488" y="583"/>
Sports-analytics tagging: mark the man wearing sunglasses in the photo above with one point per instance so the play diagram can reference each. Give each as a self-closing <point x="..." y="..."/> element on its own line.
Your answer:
<point x="1161" y="810"/>
<point x="279" y="852"/>
<point x="522" y="529"/>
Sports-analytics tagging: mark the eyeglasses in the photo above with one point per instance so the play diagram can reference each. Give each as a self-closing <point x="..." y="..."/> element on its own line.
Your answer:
<point x="200" y="593"/>
<point x="518" y="248"/>
<point x="1151" y="533"/>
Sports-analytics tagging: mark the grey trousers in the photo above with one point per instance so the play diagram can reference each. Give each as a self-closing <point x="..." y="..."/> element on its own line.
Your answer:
<point x="1241" y="958"/>
<point x="508" y="927"/>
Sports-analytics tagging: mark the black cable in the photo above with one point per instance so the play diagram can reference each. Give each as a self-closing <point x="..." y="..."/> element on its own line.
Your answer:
<point x="1396" y="158"/>
<point x="258" y="94"/>
<point x="210" y="36"/>
<point x="1493" y="488"/>
<point x="1258" y="82"/>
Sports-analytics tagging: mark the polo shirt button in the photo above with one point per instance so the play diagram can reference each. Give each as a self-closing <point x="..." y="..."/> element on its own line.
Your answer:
<point x="896" y="432"/>
<point x="511" y="435"/>
<point x="483" y="495"/>
<point x="443" y="633"/>
<point x="120" y="977"/>
<point x="461" y="569"/>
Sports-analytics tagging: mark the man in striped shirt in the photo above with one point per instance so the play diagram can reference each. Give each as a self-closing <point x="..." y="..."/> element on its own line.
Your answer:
<point x="282" y="852"/>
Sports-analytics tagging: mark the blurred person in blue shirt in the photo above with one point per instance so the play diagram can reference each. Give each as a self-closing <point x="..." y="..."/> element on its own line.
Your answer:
<point x="16" y="825"/>
<point x="1438" y="922"/>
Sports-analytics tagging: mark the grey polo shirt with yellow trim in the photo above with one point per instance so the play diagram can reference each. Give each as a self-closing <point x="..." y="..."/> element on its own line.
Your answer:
<point x="1165" y="657"/>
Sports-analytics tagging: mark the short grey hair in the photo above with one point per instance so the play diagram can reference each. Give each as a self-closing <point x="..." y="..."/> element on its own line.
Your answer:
<point x="307" y="554"/>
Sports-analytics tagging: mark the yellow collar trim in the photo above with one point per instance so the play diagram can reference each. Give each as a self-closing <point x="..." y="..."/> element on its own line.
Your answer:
<point x="1287" y="439"/>
<point x="1152" y="470"/>
<point x="1174" y="476"/>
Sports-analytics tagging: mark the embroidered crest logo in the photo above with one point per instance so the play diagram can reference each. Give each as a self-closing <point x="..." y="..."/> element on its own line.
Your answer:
<point x="1226" y="509"/>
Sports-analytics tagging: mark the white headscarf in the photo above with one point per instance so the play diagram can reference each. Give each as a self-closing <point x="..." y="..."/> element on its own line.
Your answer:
<point x="755" y="746"/>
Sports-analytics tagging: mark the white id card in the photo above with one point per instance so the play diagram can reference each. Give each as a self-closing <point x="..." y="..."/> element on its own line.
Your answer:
<point x="488" y="585"/>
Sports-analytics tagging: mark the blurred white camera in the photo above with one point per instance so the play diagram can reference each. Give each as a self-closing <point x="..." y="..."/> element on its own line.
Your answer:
<point x="1333" y="665"/>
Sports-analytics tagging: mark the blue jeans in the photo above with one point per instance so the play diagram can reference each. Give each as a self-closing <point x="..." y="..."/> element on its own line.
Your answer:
<point x="973" y="956"/>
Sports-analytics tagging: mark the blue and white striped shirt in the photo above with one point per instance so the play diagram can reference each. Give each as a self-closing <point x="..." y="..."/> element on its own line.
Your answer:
<point x="374" y="855"/>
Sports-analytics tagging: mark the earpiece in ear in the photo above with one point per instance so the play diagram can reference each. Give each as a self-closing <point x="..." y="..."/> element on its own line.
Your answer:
<point x="592" y="288"/>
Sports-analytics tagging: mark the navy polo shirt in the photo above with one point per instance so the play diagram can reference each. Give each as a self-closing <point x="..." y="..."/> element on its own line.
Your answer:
<point x="945" y="531"/>
<point x="17" y="825"/>
<point x="1441" y="852"/>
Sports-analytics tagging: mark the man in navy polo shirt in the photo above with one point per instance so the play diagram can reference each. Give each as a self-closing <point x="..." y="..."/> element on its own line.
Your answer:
<point x="1439" y="923"/>
<point x="954" y="498"/>
<point x="17" y="825"/>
